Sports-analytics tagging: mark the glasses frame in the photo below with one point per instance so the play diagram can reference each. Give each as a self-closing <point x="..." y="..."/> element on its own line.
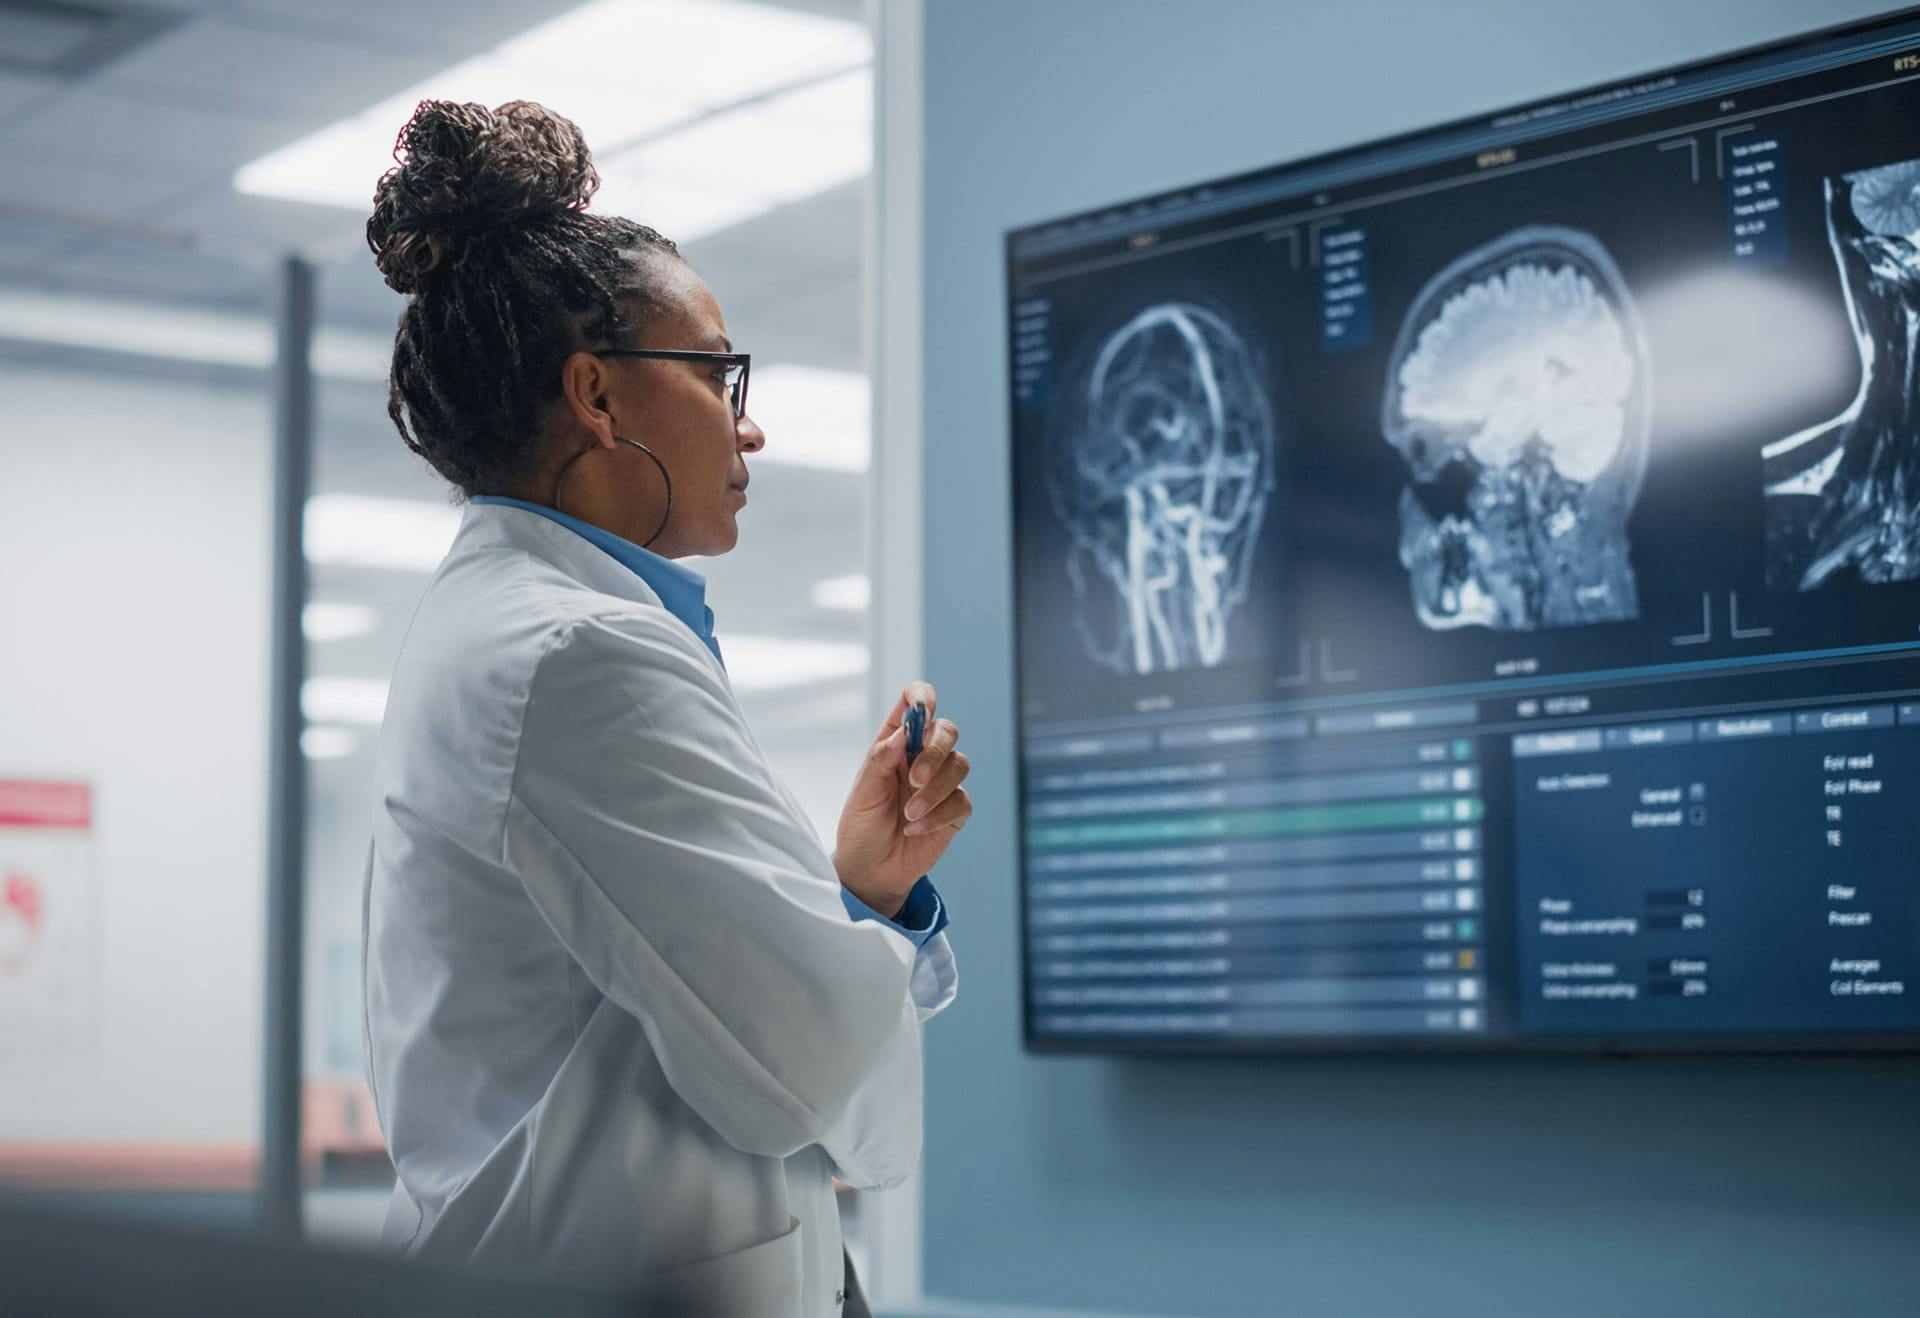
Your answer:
<point x="744" y="360"/>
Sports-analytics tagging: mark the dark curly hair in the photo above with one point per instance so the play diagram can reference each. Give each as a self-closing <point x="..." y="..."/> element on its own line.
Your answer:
<point x="482" y="223"/>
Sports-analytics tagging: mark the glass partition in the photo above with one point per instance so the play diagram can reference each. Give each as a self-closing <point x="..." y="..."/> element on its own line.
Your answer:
<point x="134" y="508"/>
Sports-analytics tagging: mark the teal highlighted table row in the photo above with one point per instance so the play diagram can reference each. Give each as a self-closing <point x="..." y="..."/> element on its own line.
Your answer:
<point x="1417" y="813"/>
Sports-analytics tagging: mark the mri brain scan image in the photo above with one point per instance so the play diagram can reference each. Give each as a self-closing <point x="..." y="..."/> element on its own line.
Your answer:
<point x="1843" y="497"/>
<point x="1518" y="395"/>
<point x="1160" y="463"/>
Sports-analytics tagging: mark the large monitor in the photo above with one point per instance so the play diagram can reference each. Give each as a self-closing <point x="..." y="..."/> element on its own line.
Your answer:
<point x="1468" y="587"/>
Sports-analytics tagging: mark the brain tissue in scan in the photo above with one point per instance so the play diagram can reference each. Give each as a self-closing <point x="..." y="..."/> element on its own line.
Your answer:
<point x="1518" y="395"/>
<point x="1843" y="497"/>
<point x="1160" y="462"/>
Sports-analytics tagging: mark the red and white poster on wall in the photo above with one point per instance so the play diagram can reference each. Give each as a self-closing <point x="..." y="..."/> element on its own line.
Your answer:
<point x="47" y="914"/>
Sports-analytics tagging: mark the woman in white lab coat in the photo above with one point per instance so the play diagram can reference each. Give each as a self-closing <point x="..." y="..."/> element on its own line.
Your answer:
<point x="626" y="1018"/>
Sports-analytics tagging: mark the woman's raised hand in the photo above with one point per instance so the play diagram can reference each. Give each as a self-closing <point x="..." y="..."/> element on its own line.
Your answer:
<point x="898" y="820"/>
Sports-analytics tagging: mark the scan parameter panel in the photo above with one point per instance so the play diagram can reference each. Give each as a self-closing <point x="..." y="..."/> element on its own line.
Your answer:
<point x="1468" y="587"/>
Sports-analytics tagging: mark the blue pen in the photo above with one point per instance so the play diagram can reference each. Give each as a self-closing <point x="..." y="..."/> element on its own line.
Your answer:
<point x="916" y="722"/>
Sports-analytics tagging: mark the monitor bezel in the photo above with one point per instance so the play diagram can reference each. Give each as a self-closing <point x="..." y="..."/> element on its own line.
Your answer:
<point x="1654" y="1044"/>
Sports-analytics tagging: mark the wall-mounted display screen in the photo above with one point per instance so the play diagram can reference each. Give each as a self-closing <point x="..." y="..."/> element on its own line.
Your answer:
<point x="1468" y="587"/>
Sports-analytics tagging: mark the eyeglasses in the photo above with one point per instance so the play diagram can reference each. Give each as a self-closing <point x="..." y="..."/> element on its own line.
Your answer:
<point x="736" y="364"/>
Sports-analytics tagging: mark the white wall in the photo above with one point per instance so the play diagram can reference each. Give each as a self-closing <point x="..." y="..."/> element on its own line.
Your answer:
<point x="133" y="655"/>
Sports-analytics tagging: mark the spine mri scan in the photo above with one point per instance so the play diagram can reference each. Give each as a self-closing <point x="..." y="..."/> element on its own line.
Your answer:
<point x="1518" y="394"/>
<point x="1160" y="464"/>
<point x="1843" y="497"/>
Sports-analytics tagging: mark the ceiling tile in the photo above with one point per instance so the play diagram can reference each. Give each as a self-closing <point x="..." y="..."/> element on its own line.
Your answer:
<point x="187" y="7"/>
<point x="143" y="272"/>
<point x="27" y="243"/>
<point x="18" y="93"/>
<point x="223" y="67"/>
<point x="71" y="186"/>
<point x="818" y="234"/>
<point x="221" y="217"/>
<point x="455" y="27"/>
<point x="137" y="137"/>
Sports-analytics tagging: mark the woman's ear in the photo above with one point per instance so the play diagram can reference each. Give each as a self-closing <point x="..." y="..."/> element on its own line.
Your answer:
<point x="584" y="381"/>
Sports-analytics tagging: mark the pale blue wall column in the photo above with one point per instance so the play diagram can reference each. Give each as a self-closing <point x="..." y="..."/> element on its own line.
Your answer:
<point x="1267" y="1186"/>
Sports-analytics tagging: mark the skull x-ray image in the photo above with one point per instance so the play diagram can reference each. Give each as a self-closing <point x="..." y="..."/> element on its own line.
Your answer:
<point x="1160" y="463"/>
<point x="1519" y="395"/>
<point x="1843" y="497"/>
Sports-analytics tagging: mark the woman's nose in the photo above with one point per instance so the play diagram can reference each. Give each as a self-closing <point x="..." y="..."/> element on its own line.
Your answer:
<point x="752" y="438"/>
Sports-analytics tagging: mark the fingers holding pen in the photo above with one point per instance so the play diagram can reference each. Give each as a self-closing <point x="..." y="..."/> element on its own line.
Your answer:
<point x="937" y="781"/>
<point x="915" y="693"/>
<point x="952" y="812"/>
<point x="935" y="751"/>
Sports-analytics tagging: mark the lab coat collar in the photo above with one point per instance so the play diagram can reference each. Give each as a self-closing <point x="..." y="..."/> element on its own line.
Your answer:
<point x="682" y="591"/>
<point x="505" y="527"/>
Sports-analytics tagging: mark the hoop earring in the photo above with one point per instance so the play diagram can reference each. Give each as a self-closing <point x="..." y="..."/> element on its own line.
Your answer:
<point x="665" y="513"/>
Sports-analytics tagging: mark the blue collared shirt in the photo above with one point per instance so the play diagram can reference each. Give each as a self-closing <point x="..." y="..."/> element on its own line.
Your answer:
<point x="921" y="918"/>
<point x="684" y="593"/>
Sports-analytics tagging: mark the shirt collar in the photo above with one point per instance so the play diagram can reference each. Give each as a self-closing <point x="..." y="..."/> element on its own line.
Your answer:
<point x="682" y="590"/>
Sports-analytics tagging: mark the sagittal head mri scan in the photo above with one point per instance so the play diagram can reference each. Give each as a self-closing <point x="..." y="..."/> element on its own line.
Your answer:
<point x="1518" y="395"/>
<point x="1844" y="496"/>
<point x="1160" y="464"/>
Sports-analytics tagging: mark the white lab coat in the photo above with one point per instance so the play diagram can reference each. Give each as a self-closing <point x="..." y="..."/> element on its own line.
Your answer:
<point x="619" y="1025"/>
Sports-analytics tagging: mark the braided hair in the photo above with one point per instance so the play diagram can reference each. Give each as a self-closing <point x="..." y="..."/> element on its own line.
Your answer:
<point x="482" y="224"/>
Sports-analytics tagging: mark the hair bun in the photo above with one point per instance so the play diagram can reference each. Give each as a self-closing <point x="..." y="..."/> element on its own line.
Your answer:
<point x="463" y="169"/>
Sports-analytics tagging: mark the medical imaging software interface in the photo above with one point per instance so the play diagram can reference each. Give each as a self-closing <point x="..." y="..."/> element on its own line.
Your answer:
<point x="1468" y="588"/>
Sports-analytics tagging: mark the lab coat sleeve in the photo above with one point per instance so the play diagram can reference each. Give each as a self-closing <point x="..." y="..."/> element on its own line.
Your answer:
<point x="650" y="832"/>
<point x="933" y="986"/>
<point x="934" y="981"/>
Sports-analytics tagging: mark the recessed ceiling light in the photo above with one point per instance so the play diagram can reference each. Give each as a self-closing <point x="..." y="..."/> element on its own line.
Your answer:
<point x="768" y="663"/>
<point x="324" y="621"/>
<point x="745" y="106"/>
<point x="327" y="743"/>
<point x="848" y="594"/>
<point x="410" y="535"/>
<point x="343" y="700"/>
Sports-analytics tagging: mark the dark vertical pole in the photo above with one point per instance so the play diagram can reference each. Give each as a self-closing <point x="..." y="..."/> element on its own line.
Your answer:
<point x="287" y="772"/>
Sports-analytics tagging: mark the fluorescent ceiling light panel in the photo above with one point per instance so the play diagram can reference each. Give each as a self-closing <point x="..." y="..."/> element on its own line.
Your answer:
<point x="849" y="594"/>
<point x="745" y="162"/>
<point x="769" y="663"/>
<point x="739" y="111"/>
<point x="813" y="417"/>
<point x="322" y="621"/>
<point x="327" y="743"/>
<point x="705" y="52"/>
<point x="408" y="535"/>
<point x="360" y="700"/>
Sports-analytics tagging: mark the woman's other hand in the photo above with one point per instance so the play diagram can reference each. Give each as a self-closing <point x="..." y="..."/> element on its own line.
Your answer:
<point x="898" y="821"/>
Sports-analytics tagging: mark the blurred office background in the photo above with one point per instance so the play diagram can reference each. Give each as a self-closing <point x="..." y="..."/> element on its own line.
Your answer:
<point x="160" y="163"/>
